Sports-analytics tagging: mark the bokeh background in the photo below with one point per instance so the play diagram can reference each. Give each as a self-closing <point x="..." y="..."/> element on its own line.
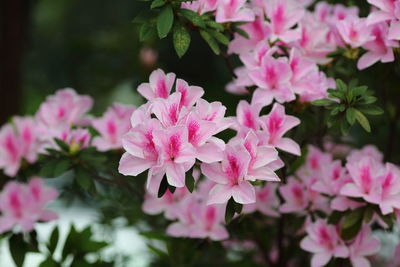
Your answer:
<point x="93" y="47"/>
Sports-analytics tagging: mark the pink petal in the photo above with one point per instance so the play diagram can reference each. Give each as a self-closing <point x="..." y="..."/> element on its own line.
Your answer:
<point x="130" y="165"/>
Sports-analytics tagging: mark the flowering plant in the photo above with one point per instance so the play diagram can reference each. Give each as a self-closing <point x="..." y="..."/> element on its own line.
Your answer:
<point x="288" y="177"/>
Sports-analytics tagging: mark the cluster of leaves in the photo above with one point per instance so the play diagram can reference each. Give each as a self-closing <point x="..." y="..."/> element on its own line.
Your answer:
<point x="75" y="249"/>
<point x="348" y="104"/>
<point x="354" y="219"/>
<point x="166" y="16"/>
<point x="83" y="162"/>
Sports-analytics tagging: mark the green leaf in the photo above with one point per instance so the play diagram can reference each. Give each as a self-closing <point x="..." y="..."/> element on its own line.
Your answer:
<point x="49" y="262"/>
<point x="238" y="208"/>
<point x="154" y="235"/>
<point x="61" y="144"/>
<point x="362" y="120"/>
<point x="230" y="210"/>
<point x="344" y="127"/>
<point x="165" y="21"/>
<point x="53" y="240"/>
<point x="242" y="32"/>
<point x="210" y="41"/>
<point x="322" y="102"/>
<point x="372" y="110"/>
<point x="163" y="187"/>
<point x="219" y="37"/>
<point x="147" y="31"/>
<point x="171" y="188"/>
<point x="335" y="217"/>
<point x="61" y="167"/>
<point x="17" y="249"/>
<point x="351" y="232"/>
<point x="47" y="170"/>
<point x="157" y="3"/>
<point x="189" y="181"/>
<point x="83" y="177"/>
<point x="360" y="90"/>
<point x="193" y="17"/>
<point x="340" y="85"/>
<point x="368" y="214"/>
<point x="181" y="39"/>
<point x="214" y="25"/>
<point x="351" y="116"/>
<point x="157" y="251"/>
<point x="335" y="111"/>
<point x="352" y="218"/>
<point x="366" y="100"/>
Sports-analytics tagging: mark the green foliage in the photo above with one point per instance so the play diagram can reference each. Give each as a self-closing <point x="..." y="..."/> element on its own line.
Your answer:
<point x="349" y="104"/>
<point x="168" y="15"/>
<point x="232" y="208"/>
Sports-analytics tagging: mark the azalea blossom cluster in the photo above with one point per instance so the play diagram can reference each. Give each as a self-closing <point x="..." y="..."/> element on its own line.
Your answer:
<point x="286" y="42"/>
<point x="174" y="130"/>
<point x="22" y="205"/>
<point x="63" y="116"/>
<point x="192" y="216"/>
<point x="324" y="185"/>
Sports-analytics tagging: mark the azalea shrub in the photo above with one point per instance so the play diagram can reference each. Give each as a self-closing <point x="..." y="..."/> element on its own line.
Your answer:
<point x="303" y="174"/>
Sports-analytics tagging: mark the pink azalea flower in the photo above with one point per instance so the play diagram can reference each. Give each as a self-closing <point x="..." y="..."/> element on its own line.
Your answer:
<point x="389" y="191"/>
<point x="307" y="81"/>
<point x="313" y="41"/>
<point x="295" y="196"/>
<point x="185" y="224"/>
<point x="159" y="86"/>
<point x="247" y="117"/>
<point x="273" y="78"/>
<point x="200" y="135"/>
<point x="10" y="150"/>
<point x="331" y="178"/>
<point x="369" y="151"/>
<point x="267" y="201"/>
<point x="209" y="223"/>
<point x="230" y="177"/>
<point x="112" y="126"/>
<point x="389" y="10"/>
<point x="176" y="154"/>
<point x="379" y="49"/>
<point x="365" y="183"/>
<point x="238" y="85"/>
<point x="283" y="15"/>
<point x="189" y="94"/>
<point x="168" y="203"/>
<point x="276" y="124"/>
<point x="76" y="138"/>
<point x="168" y="111"/>
<point x="233" y="10"/>
<point x="213" y="112"/>
<point x="65" y="108"/>
<point x="264" y="159"/>
<point x="355" y="32"/>
<point x="258" y="30"/>
<point x="28" y="137"/>
<point x="363" y="245"/>
<point x="201" y="6"/>
<point x="23" y="205"/>
<point x="141" y="151"/>
<point x="324" y="242"/>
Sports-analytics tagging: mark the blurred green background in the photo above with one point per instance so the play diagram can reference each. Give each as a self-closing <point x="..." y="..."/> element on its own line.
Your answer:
<point x="93" y="47"/>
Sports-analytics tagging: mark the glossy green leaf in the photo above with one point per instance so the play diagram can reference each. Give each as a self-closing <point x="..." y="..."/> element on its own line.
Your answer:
<point x="181" y="39"/>
<point x="165" y="21"/>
